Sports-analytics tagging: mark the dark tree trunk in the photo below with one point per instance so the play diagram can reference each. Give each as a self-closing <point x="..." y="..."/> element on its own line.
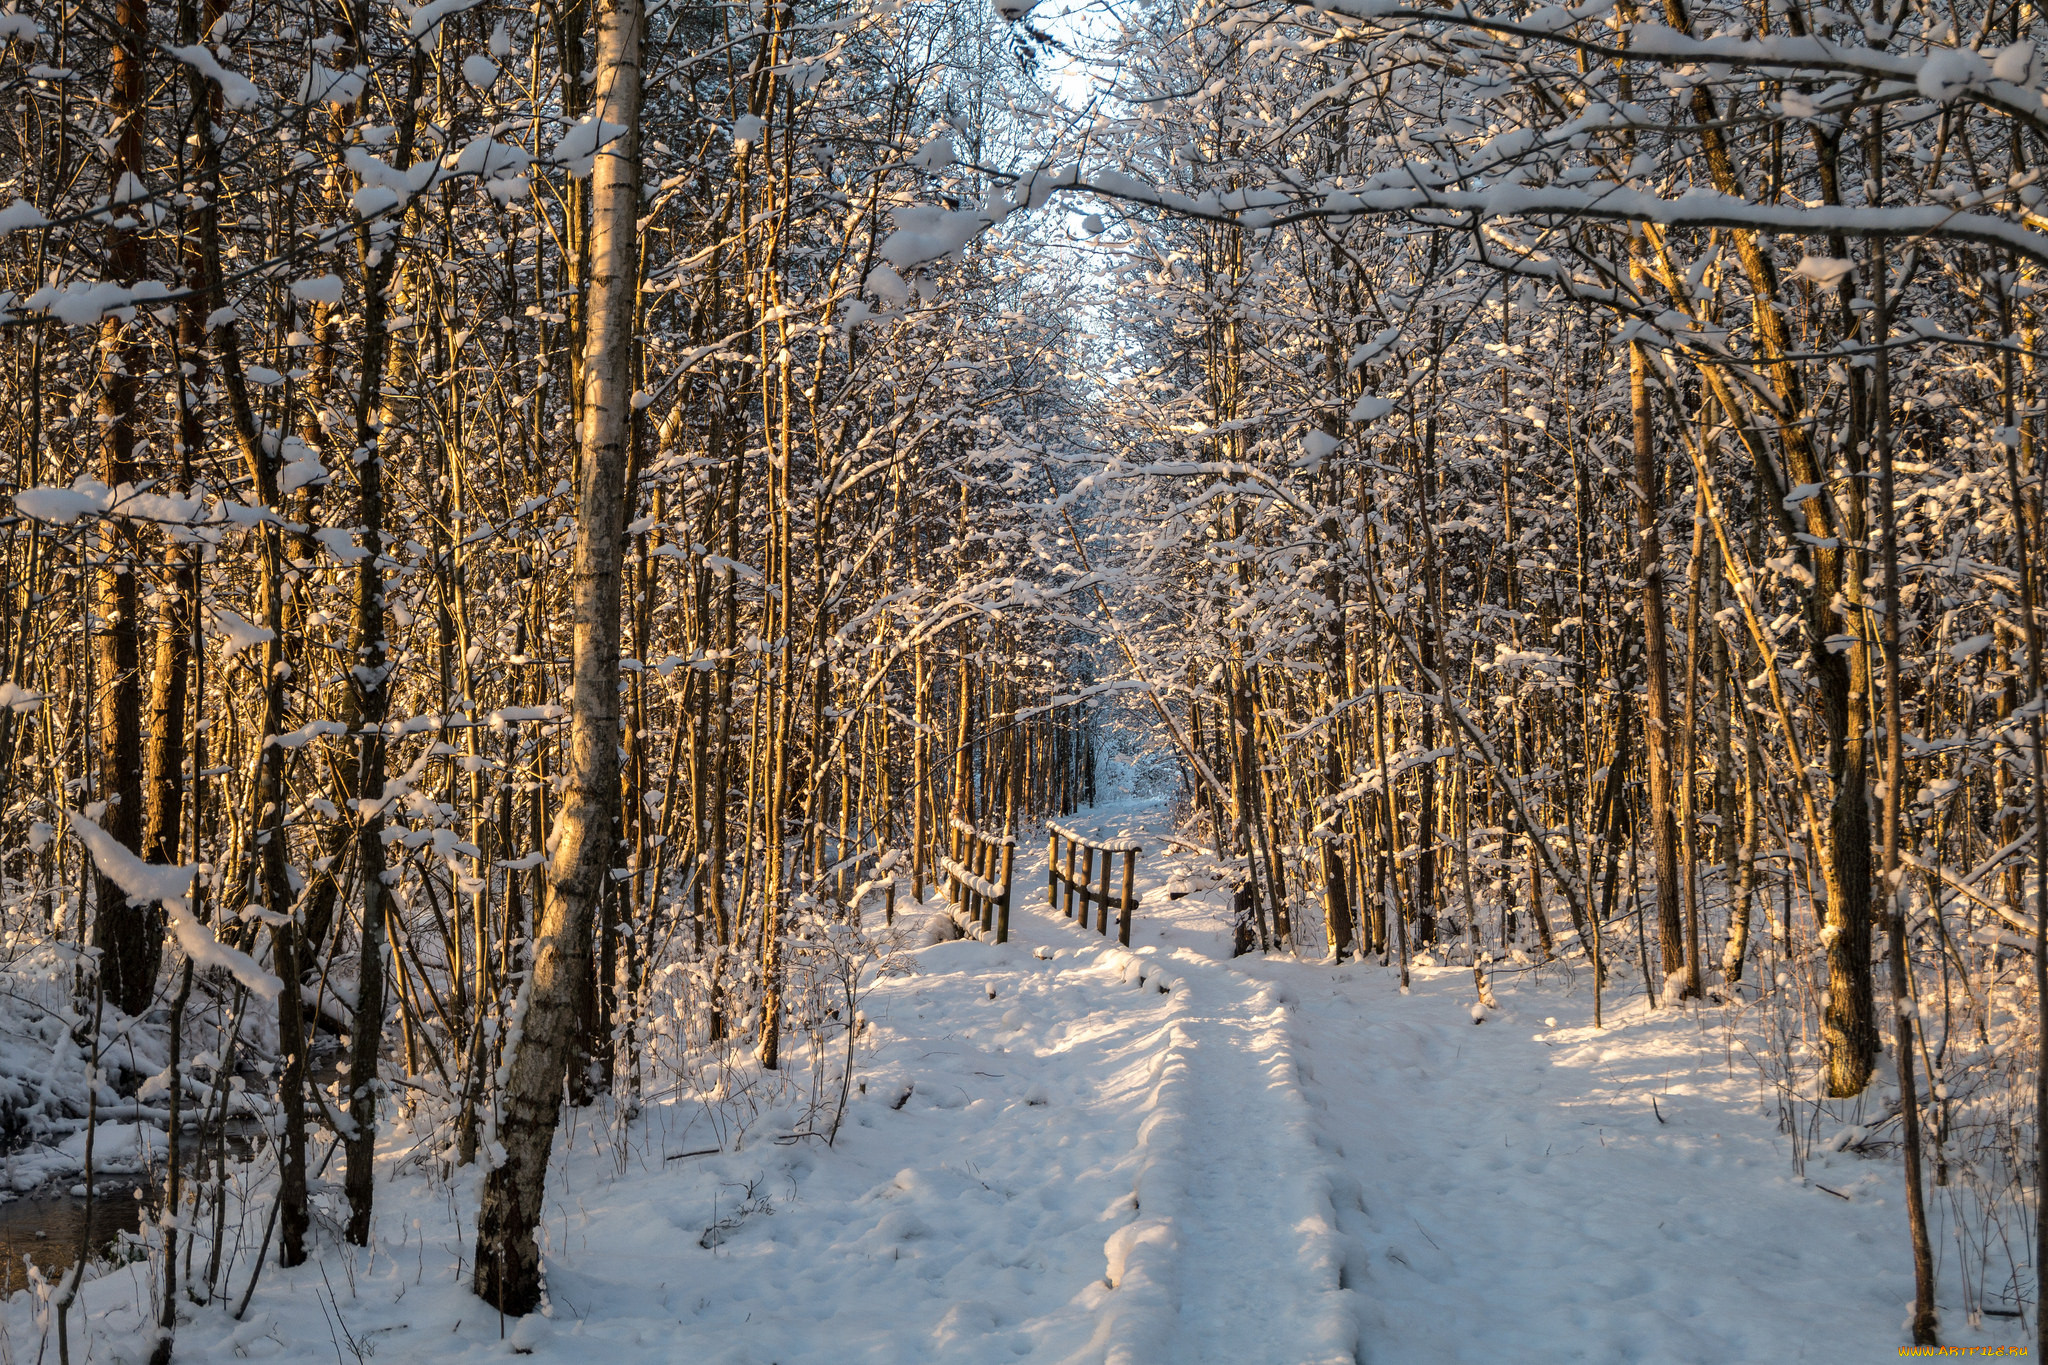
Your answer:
<point x="129" y="937"/>
<point x="1656" y="654"/>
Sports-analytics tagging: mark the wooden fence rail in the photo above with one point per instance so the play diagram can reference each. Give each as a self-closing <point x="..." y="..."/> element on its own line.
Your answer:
<point x="1058" y="877"/>
<point x="978" y="876"/>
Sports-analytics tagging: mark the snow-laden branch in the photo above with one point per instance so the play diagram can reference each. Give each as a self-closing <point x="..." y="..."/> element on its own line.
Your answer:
<point x="236" y="90"/>
<point x="925" y="234"/>
<point x="2000" y="81"/>
<point x="1696" y="208"/>
<point x="170" y="887"/>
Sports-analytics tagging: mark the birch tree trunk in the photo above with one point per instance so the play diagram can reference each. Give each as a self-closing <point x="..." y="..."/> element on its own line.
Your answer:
<point x="507" y="1255"/>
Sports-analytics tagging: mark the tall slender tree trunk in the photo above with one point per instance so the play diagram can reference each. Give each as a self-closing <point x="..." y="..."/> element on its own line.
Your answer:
<point x="129" y="937"/>
<point x="371" y="696"/>
<point x="507" y="1254"/>
<point x="918" y="777"/>
<point x="1923" y="1320"/>
<point x="1656" y="654"/>
<point x="1847" y="1024"/>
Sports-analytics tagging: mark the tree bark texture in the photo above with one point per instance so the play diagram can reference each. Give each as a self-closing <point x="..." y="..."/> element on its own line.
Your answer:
<point x="507" y="1253"/>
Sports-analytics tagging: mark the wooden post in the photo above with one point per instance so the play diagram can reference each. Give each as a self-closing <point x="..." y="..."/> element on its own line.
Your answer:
<point x="953" y="856"/>
<point x="982" y="869"/>
<point x="1123" y="920"/>
<point x="995" y="861"/>
<point x="988" y="874"/>
<point x="977" y="907"/>
<point x="1052" y="870"/>
<point x="1070" y="879"/>
<point x="966" y="864"/>
<point x="1087" y="881"/>
<point x="1102" y="901"/>
<point x="1003" y="903"/>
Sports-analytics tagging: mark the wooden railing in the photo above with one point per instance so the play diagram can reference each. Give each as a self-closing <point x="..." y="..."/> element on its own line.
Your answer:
<point x="1058" y="877"/>
<point x="978" y="876"/>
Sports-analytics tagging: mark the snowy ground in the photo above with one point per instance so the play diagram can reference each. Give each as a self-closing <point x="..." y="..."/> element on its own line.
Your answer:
<point x="1065" y="1151"/>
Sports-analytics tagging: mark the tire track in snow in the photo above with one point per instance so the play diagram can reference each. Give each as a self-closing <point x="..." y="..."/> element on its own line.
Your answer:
<point x="1263" y="1270"/>
<point x="1234" y="1254"/>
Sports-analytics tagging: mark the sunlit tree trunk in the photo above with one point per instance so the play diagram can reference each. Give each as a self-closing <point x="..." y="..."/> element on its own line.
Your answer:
<point x="507" y="1254"/>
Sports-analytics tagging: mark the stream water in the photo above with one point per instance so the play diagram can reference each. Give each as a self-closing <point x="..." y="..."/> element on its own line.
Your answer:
<point x="44" y="1228"/>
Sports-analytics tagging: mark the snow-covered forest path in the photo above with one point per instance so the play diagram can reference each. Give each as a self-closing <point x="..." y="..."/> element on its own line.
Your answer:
<point x="1527" y="1189"/>
<point x="1061" y="1150"/>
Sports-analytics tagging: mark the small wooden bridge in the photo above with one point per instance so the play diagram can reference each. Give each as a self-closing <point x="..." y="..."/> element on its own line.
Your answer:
<point x="1083" y="887"/>
<point x="978" y="876"/>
